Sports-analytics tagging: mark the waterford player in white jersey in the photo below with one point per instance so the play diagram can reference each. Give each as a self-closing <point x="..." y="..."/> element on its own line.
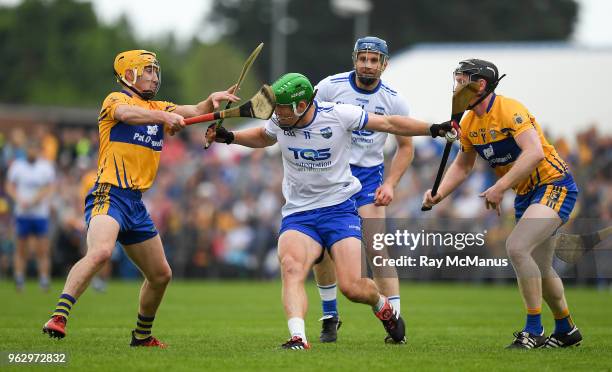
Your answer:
<point x="319" y="213"/>
<point x="364" y="87"/>
<point x="29" y="184"/>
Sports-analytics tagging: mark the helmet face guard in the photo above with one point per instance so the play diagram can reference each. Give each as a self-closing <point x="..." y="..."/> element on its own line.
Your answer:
<point x="137" y="61"/>
<point x="459" y="81"/>
<point x="476" y="69"/>
<point x="277" y="119"/>
<point x="362" y="59"/>
<point x="362" y="50"/>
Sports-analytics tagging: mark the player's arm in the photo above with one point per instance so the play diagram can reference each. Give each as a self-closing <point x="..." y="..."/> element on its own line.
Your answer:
<point x="210" y="104"/>
<point x="11" y="184"/>
<point x="455" y="175"/>
<point x="531" y="154"/>
<point x="134" y="115"/>
<point x="405" y="126"/>
<point x="405" y="150"/>
<point x="252" y="137"/>
<point x="404" y="154"/>
<point x="45" y="191"/>
<point x="11" y="190"/>
<point x="401" y="160"/>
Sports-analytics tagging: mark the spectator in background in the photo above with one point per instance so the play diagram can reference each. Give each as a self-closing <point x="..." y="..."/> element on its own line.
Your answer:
<point x="49" y="145"/>
<point x="14" y="148"/>
<point x="29" y="184"/>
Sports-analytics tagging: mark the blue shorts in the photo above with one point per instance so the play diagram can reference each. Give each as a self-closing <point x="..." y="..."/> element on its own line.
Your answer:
<point x="326" y="225"/>
<point x="126" y="207"/>
<point x="371" y="178"/>
<point x="559" y="195"/>
<point x="28" y="226"/>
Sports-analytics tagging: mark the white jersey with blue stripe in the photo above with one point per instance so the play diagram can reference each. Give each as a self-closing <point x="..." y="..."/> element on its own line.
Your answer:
<point x="367" y="145"/>
<point x="316" y="157"/>
<point x="29" y="179"/>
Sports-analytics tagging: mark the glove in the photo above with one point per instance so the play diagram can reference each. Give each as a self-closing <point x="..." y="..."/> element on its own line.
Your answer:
<point x="222" y="135"/>
<point x="437" y="129"/>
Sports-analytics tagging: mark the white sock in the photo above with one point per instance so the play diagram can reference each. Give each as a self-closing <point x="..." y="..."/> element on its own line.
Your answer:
<point x="297" y="328"/>
<point x="328" y="292"/>
<point x="380" y="303"/>
<point x="395" y="302"/>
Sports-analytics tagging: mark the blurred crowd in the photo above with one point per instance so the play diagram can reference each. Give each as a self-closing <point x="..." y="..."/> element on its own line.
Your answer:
<point x="218" y="210"/>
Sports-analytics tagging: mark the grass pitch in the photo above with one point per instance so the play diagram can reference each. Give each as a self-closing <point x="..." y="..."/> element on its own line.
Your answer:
<point x="239" y="326"/>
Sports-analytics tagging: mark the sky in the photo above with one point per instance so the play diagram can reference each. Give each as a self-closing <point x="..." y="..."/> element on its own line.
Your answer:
<point x="153" y="18"/>
<point x="594" y="27"/>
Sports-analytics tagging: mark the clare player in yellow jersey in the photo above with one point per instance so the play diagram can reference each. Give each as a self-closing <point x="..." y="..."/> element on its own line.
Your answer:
<point x="132" y="127"/>
<point x="504" y="133"/>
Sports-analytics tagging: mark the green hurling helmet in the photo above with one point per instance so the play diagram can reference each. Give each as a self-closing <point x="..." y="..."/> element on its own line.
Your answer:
<point x="292" y="88"/>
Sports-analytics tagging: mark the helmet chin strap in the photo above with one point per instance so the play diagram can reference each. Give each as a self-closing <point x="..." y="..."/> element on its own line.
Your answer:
<point x="481" y="98"/>
<point x="485" y="93"/>
<point x="146" y="95"/>
<point x="300" y="116"/>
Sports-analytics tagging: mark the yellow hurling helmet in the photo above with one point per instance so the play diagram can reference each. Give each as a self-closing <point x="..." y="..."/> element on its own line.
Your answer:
<point x="137" y="61"/>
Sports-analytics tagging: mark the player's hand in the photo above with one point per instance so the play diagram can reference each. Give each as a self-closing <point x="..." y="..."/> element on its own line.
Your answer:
<point x="24" y="204"/>
<point x="429" y="200"/>
<point x="173" y="122"/>
<point x="383" y="195"/>
<point x="493" y="198"/>
<point x="220" y="134"/>
<point x="440" y="129"/>
<point x="448" y="129"/>
<point x="227" y="95"/>
<point x="232" y="89"/>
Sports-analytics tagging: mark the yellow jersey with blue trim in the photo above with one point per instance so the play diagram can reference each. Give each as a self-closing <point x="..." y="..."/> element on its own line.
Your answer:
<point x="493" y="135"/>
<point x="129" y="154"/>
